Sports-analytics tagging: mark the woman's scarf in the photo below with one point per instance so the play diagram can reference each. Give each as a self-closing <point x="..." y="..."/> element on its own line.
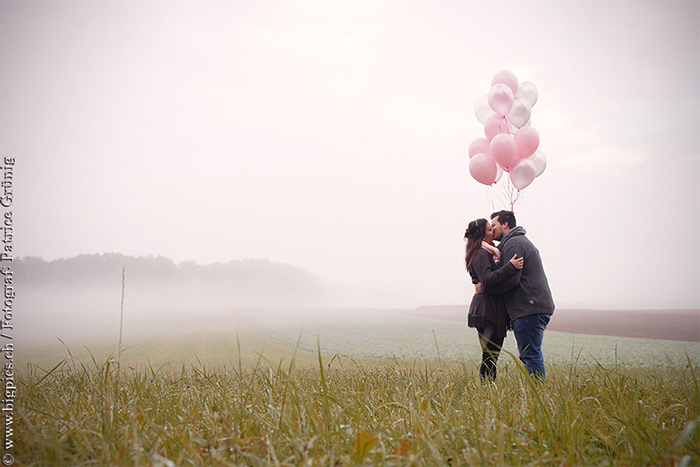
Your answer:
<point x="495" y="252"/>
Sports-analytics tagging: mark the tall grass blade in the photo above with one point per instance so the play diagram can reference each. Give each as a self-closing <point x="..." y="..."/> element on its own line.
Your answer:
<point x="121" y="322"/>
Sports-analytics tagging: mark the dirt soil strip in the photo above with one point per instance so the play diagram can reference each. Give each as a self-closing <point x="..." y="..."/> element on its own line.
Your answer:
<point x="677" y="325"/>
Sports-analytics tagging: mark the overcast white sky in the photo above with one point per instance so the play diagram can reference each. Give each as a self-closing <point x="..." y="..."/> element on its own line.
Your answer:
<point x="333" y="135"/>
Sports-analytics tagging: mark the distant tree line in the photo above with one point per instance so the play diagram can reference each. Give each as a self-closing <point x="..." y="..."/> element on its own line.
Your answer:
<point x="248" y="282"/>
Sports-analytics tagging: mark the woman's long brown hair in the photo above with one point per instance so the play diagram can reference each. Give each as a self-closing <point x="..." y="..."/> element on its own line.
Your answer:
<point x="474" y="235"/>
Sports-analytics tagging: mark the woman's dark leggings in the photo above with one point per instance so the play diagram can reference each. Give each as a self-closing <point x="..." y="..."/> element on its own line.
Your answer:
<point x="491" y="344"/>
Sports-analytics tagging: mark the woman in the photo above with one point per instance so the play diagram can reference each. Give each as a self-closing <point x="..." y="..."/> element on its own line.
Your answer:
<point x="487" y="313"/>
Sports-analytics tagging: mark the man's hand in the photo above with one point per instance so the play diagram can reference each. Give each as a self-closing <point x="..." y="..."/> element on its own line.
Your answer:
<point x="477" y="288"/>
<point x="518" y="263"/>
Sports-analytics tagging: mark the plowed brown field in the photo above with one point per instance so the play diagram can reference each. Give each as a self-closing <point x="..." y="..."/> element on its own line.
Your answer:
<point x="678" y="325"/>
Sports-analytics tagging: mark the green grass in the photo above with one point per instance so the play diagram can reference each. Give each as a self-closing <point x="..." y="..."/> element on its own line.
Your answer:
<point x="335" y="389"/>
<point x="341" y="411"/>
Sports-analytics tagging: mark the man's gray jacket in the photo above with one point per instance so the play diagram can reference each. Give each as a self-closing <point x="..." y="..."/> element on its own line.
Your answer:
<point x="527" y="291"/>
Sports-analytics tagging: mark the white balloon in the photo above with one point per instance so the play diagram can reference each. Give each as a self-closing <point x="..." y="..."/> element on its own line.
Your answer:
<point x="482" y="109"/>
<point x="522" y="173"/>
<point x="499" y="173"/>
<point x="529" y="91"/>
<point x="520" y="114"/>
<point x="540" y="161"/>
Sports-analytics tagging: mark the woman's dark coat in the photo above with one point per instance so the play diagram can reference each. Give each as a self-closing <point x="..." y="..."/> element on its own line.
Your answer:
<point x="488" y="311"/>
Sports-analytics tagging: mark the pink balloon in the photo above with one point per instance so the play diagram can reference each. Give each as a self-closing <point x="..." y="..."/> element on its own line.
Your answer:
<point x="483" y="168"/>
<point x="500" y="99"/>
<point x="479" y="145"/>
<point x="528" y="141"/>
<point x="523" y="173"/>
<point x="495" y="125"/>
<point x="504" y="150"/>
<point x="508" y="78"/>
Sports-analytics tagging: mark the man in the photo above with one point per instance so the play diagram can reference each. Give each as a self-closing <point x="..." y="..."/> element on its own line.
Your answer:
<point x="526" y="293"/>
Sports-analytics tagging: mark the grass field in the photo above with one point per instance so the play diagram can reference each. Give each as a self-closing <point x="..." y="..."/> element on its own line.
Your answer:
<point x="370" y="388"/>
<point x="386" y="334"/>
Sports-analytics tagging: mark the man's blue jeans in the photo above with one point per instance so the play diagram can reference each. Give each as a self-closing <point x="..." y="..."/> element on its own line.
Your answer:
<point x="529" y="331"/>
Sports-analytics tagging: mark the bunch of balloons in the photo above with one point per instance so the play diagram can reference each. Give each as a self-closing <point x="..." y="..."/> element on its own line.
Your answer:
<point x="511" y="144"/>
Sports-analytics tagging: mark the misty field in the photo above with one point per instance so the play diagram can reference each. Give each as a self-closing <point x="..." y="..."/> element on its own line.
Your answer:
<point x="351" y="388"/>
<point x="386" y="334"/>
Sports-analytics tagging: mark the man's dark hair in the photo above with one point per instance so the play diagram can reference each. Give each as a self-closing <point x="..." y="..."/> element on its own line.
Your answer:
<point x="505" y="217"/>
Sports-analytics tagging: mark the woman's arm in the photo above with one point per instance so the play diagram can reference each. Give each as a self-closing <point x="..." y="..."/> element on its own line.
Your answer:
<point x="495" y="281"/>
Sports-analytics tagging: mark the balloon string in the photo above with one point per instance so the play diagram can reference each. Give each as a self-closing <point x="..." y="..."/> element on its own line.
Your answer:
<point x="512" y="195"/>
<point x="490" y="198"/>
<point x="508" y="195"/>
<point x="515" y="200"/>
<point x="503" y="195"/>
